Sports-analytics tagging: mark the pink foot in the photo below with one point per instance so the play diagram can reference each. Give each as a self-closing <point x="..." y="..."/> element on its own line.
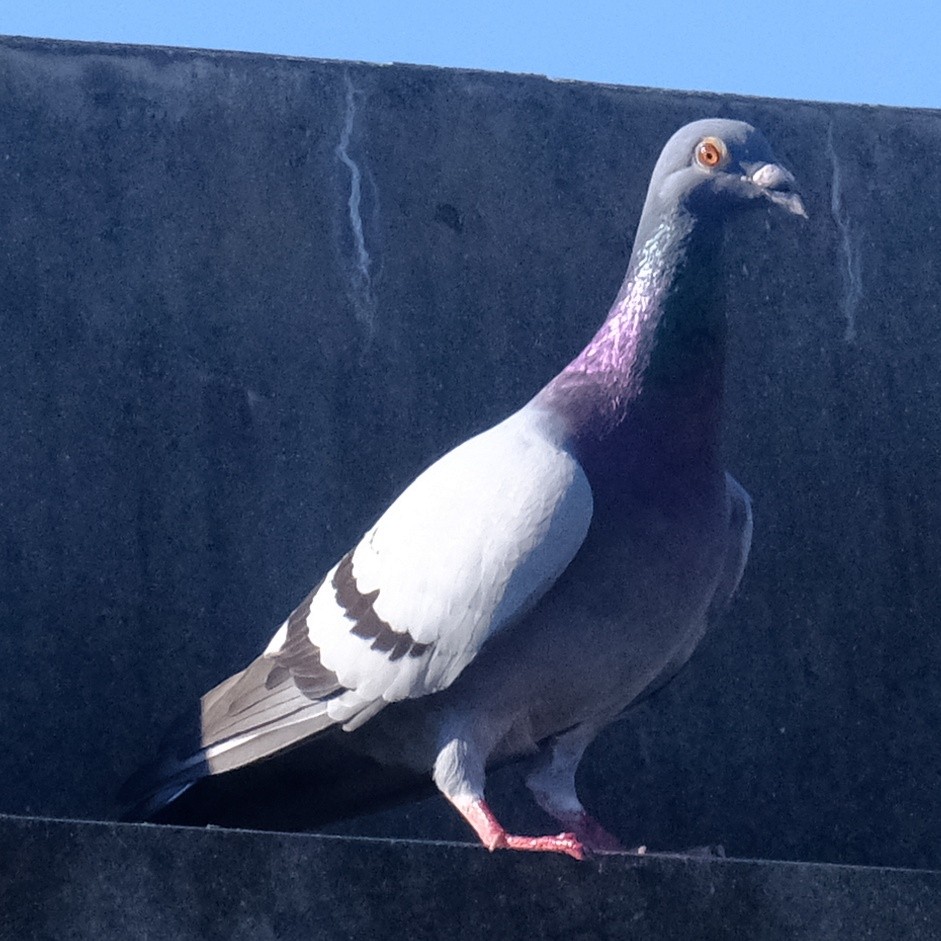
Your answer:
<point x="494" y="837"/>
<point x="591" y="834"/>
<point x="567" y="843"/>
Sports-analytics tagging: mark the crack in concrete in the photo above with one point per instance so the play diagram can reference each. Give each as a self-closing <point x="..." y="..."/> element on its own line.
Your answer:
<point x="362" y="294"/>
<point x="849" y="247"/>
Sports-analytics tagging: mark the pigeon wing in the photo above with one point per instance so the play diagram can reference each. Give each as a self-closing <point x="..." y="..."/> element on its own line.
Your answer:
<point x="469" y="547"/>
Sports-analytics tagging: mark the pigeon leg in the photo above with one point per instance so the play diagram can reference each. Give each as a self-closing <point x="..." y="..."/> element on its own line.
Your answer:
<point x="552" y="784"/>
<point x="494" y="837"/>
<point x="589" y="832"/>
<point x="459" y="775"/>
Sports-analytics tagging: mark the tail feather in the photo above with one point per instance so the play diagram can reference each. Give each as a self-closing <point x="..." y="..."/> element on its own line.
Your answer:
<point x="179" y="765"/>
<point x="254" y="699"/>
<point x="268" y="739"/>
<point x="248" y="717"/>
<point x="185" y="758"/>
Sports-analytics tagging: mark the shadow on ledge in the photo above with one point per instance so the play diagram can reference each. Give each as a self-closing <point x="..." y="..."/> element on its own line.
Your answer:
<point x="102" y="880"/>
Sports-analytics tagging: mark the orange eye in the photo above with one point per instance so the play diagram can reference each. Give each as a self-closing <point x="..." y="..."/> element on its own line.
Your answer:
<point x="710" y="153"/>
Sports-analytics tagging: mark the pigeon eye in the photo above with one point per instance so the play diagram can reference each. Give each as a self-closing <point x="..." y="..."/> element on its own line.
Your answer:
<point x="711" y="153"/>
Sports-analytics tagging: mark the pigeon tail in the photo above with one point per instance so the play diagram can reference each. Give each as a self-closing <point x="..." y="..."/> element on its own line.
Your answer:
<point x="180" y="764"/>
<point x="184" y="762"/>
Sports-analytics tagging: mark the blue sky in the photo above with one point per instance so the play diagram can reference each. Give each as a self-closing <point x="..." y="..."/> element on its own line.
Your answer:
<point x="869" y="51"/>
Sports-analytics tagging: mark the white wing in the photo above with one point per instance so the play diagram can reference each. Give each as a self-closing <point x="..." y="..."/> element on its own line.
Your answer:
<point x="469" y="546"/>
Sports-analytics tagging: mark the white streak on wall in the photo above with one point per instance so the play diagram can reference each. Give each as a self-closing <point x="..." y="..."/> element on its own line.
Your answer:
<point x="362" y="293"/>
<point x="851" y="262"/>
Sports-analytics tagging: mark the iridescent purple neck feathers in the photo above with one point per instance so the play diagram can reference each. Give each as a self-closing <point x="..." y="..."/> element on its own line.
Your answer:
<point x="661" y="347"/>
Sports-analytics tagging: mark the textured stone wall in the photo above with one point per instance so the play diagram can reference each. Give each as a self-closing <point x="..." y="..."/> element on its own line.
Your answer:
<point x="244" y="299"/>
<point x="94" y="881"/>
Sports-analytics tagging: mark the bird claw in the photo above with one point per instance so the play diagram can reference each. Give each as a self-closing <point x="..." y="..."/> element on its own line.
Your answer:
<point x="598" y="840"/>
<point x="565" y="843"/>
<point x="494" y="837"/>
<point x="591" y="834"/>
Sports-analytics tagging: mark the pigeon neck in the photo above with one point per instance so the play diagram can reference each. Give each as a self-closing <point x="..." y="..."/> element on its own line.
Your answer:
<point x="654" y="370"/>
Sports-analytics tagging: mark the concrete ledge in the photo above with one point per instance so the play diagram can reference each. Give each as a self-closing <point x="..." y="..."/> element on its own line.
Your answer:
<point x="66" y="879"/>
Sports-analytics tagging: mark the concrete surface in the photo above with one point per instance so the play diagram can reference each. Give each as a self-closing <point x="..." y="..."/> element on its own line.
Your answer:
<point x="62" y="879"/>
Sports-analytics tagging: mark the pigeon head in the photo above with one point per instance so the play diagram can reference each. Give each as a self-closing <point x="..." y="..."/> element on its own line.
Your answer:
<point x="714" y="165"/>
<point x="654" y="369"/>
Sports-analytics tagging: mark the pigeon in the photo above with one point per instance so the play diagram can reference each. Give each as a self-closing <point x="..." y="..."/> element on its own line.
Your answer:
<point x="532" y="584"/>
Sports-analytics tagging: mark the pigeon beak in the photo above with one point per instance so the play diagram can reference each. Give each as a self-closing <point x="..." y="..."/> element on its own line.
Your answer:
<point x="778" y="185"/>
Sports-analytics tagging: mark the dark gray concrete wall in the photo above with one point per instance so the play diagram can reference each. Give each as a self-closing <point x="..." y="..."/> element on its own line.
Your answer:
<point x="62" y="879"/>
<point x="244" y="299"/>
